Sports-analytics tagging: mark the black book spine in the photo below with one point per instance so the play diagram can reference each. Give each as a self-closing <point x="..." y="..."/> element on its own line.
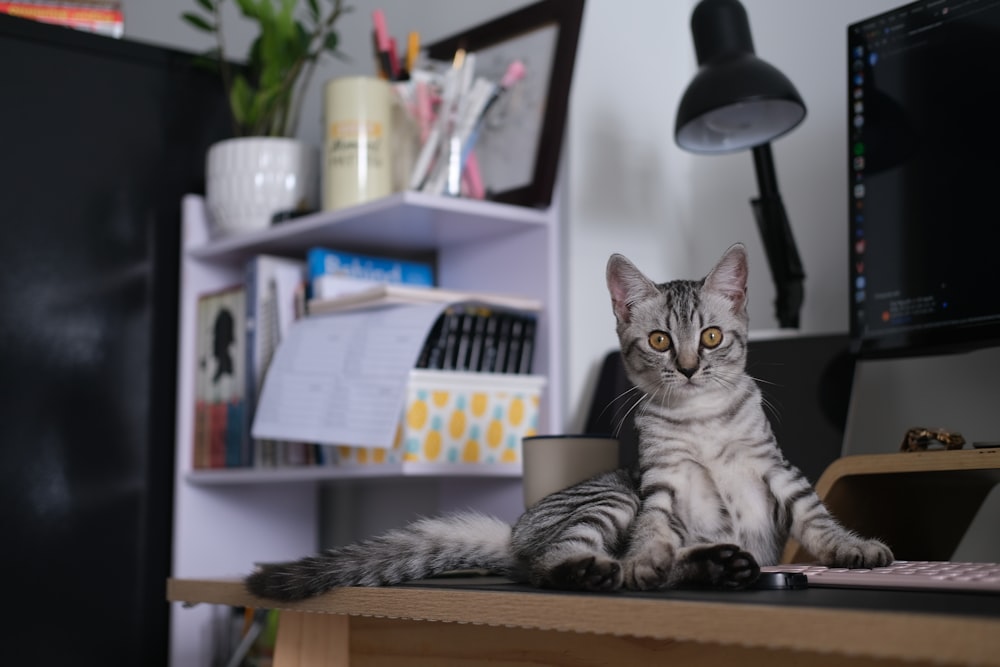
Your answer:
<point x="528" y="346"/>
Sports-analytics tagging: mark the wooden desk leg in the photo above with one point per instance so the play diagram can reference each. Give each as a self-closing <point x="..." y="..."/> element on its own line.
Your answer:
<point x="312" y="640"/>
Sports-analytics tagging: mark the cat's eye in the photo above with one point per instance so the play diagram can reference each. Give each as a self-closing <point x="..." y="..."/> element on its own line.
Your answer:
<point x="711" y="337"/>
<point x="659" y="341"/>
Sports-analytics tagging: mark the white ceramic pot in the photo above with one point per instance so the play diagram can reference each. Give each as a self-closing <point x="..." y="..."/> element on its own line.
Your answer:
<point x="250" y="179"/>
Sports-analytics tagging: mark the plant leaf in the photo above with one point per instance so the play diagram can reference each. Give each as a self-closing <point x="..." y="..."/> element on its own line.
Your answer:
<point x="249" y="9"/>
<point x="198" y="22"/>
<point x="241" y="101"/>
<point x="264" y="95"/>
<point x="331" y="41"/>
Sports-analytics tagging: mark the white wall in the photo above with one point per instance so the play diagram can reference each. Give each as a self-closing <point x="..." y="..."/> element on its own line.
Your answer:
<point x="632" y="190"/>
<point x="628" y="187"/>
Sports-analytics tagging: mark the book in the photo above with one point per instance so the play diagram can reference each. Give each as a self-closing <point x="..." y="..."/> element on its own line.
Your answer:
<point x="104" y="17"/>
<point x="274" y="287"/>
<point x="527" y="347"/>
<point x="386" y="294"/>
<point x="334" y="272"/>
<point x="221" y="424"/>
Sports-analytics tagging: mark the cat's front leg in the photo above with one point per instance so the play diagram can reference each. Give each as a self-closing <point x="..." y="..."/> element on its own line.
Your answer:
<point x="651" y="555"/>
<point x="835" y="546"/>
<point x="822" y="535"/>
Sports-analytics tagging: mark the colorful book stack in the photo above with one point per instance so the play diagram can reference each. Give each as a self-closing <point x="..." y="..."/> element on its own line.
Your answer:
<point x="333" y="273"/>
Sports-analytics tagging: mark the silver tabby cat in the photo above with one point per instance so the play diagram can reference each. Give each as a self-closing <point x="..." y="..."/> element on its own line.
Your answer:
<point x="712" y="498"/>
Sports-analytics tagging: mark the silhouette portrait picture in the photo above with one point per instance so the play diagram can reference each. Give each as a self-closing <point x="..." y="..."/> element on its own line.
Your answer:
<point x="223" y="338"/>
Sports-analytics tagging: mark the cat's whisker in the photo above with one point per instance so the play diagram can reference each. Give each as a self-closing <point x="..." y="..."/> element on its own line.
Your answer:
<point x="770" y="407"/>
<point x="618" y="401"/>
<point x="762" y="380"/>
<point x="639" y="401"/>
<point x="625" y="407"/>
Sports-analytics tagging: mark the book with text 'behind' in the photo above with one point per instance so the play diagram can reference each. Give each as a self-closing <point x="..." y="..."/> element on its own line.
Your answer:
<point x="333" y="272"/>
<point x="221" y="425"/>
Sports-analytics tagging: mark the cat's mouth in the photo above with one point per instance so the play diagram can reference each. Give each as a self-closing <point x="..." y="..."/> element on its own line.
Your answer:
<point x="679" y="382"/>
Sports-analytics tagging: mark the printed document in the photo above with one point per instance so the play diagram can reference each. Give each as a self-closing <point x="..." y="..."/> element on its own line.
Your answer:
<point x="341" y="378"/>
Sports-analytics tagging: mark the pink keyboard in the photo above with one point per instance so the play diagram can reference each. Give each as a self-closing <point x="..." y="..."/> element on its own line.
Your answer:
<point x="907" y="574"/>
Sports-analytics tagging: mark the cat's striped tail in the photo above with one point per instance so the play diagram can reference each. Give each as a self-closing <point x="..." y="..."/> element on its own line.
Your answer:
<point x="424" y="548"/>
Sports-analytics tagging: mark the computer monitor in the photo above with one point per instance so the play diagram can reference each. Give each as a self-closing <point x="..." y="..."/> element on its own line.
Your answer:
<point x="924" y="178"/>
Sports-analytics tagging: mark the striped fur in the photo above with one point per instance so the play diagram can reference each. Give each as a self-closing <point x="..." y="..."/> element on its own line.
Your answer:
<point x="712" y="499"/>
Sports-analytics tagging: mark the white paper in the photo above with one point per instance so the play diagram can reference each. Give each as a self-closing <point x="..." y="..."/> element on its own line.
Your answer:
<point x="340" y="379"/>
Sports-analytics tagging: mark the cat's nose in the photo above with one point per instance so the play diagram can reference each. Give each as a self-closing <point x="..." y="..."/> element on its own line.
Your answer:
<point x="686" y="371"/>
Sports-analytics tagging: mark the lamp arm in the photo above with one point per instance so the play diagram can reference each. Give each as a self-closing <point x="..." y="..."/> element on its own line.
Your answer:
<point x="779" y="243"/>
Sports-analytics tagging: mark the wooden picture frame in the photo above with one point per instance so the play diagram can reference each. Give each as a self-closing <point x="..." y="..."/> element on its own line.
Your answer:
<point x="520" y="146"/>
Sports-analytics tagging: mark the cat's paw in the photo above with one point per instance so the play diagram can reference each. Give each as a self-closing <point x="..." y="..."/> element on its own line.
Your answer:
<point x="649" y="569"/>
<point x="720" y="566"/>
<point x="858" y="553"/>
<point x="586" y="573"/>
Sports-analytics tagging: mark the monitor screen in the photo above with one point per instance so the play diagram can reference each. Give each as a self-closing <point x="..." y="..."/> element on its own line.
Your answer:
<point x="924" y="178"/>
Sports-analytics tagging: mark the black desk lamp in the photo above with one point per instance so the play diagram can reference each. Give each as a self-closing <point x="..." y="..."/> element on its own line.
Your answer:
<point x="738" y="101"/>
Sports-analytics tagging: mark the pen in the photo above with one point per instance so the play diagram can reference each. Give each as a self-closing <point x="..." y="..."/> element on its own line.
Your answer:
<point x="421" y="175"/>
<point x="382" y="44"/>
<point x="472" y="178"/>
<point x="424" y="109"/>
<point x="395" y="74"/>
<point x="515" y="72"/>
<point x="379" y="63"/>
<point x="412" y="50"/>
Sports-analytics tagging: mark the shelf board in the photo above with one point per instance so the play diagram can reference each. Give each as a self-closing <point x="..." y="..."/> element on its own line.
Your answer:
<point x="230" y="476"/>
<point x="405" y="223"/>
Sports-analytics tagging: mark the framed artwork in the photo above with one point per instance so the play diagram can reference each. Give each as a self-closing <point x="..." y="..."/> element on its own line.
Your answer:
<point x="518" y="149"/>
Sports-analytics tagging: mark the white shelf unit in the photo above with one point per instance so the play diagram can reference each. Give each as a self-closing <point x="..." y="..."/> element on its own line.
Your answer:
<point x="225" y="520"/>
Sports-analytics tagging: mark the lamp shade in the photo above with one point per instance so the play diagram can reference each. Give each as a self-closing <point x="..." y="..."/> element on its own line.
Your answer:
<point x="736" y="100"/>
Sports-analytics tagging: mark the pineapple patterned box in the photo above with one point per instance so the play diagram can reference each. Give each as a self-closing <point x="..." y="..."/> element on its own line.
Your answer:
<point x="459" y="421"/>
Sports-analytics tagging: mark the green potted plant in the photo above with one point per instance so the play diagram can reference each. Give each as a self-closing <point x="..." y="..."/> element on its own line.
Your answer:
<point x="264" y="170"/>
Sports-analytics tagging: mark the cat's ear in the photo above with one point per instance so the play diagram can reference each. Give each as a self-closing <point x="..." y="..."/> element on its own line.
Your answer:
<point x="729" y="277"/>
<point x="627" y="285"/>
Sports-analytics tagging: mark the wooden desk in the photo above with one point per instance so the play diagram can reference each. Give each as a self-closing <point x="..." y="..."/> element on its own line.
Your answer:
<point x="920" y="502"/>
<point x="465" y="624"/>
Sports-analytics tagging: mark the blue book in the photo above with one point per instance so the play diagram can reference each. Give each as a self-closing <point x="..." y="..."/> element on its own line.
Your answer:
<point x="332" y="271"/>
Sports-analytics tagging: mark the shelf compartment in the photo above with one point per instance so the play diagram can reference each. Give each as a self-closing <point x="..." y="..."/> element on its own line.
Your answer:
<point x="454" y="424"/>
